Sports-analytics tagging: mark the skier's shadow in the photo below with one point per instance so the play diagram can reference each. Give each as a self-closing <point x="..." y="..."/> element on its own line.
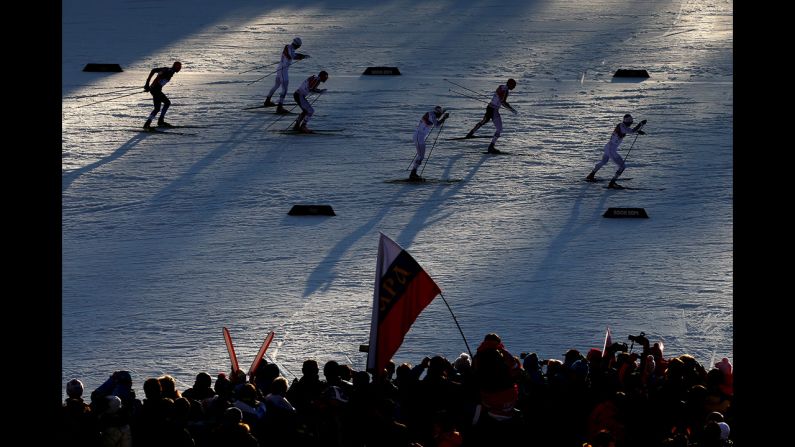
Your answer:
<point x="427" y="214"/>
<point x="68" y="178"/>
<point x="324" y="275"/>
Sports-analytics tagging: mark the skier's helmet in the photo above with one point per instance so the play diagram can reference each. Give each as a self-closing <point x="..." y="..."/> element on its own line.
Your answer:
<point x="323" y="75"/>
<point x="297" y="42"/>
<point x="177" y="66"/>
<point x="628" y="119"/>
<point x="511" y="84"/>
<point x="438" y="110"/>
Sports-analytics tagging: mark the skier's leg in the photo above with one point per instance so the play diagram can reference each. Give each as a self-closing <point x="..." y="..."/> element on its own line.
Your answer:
<point x="285" y="82"/>
<point x="166" y="105"/>
<point x="498" y="125"/>
<point x="275" y="85"/>
<point x="156" y="101"/>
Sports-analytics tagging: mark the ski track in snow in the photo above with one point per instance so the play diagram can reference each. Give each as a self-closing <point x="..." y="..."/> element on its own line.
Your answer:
<point x="168" y="238"/>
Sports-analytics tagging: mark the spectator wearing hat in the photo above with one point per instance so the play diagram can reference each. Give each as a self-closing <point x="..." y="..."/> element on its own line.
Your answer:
<point x="497" y="373"/>
<point x="114" y="424"/>
<point x="715" y="434"/>
<point x="78" y="423"/>
<point x="727" y="385"/>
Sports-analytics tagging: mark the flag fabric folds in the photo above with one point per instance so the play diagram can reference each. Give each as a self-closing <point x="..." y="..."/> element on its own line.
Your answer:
<point x="402" y="290"/>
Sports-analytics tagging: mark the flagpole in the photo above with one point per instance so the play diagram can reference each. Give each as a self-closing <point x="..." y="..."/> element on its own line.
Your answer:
<point x="456" y="323"/>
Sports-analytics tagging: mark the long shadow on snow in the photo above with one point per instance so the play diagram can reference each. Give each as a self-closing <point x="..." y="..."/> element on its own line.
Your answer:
<point x="558" y="244"/>
<point x="324" y="274"/>
<point x="69" y="178"/>
<point x="239" y="136"/>
<point x="428" y="213"/>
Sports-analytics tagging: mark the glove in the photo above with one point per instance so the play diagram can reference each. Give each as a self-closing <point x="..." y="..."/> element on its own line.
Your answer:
<point x="322" y="90"/>
<point x="643" y="123"/>
<point x="146" y="88"/>
<point x="444" y="117"/>
<point x="640" y="132"/>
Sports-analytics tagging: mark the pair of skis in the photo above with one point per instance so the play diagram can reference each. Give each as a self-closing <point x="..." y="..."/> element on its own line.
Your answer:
<point x="233" y="356"/>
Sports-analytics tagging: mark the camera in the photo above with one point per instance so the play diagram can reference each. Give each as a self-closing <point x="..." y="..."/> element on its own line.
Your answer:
<point x="615" y="347"/>
<point x="641" y="339"/>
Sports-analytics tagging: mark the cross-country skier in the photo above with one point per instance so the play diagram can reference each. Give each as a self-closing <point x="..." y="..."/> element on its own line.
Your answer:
<point x="500" y="98"/>
<point x="611" y="148"/>
<point x="164" y="75"/>
<point x="282" y="78"/>
<point x="309" y="85"/>
<point x="429" y="120"/>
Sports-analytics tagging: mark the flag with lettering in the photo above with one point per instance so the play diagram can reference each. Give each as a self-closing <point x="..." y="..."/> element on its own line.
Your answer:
<point x="402" y="290"/>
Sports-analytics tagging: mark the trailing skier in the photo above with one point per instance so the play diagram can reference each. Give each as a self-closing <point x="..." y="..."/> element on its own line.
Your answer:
<point x="309" y="85"/>
<point x="611" y="148"/>
<point x="164" y="75"/>
<point x="429" y="120"/>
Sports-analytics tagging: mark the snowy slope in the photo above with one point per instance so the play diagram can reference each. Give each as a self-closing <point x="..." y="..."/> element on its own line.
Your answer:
<point x="168" y="238"/>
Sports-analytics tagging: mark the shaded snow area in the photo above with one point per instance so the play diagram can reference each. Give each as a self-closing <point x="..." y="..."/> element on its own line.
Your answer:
<point x="169" y="238"/>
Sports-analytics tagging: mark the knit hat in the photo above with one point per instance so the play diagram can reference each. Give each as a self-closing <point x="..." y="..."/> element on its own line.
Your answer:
<point x="724" y="366"/>
<point x="114" y="404"/>
<point x="724" y="430"/>
<point x="462" y="362"/>
<point x="74" y="388"/>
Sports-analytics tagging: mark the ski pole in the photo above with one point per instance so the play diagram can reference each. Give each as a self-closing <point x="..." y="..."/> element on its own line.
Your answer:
<point x="274" y="71"/>
<point x="466" y="95"/>
<point x="431" y="151"/>
<point x="456" y="321"/>
<point x="280" y="117"/>
<point x="415" y="155"/>
<point x="257" y="68"/>
<point x="296" y="118"/>
<point x="469" y="89"/>
<point x="114" y="92"/>
<point x="633" y="143"/>
<point x="280" y="367"/>
<point x="110" y="99"/>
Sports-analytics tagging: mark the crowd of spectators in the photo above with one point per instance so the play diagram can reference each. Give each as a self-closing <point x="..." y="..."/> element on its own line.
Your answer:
<point x="613" y="398"/>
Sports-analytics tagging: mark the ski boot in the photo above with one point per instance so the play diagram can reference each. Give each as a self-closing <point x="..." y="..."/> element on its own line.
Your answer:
<point x="492" y="149"/>
<point x="162" y="123"/>
<point x="304" y="129"/>
<point x="281" y="110"/>
<point x="148" y="124"/>
<point x="471" y="134"/>
<point x="413" y="176"/>
<point x="268" y="102"/>
<point x="590" y="177"/>
<point x="614" y="185"/>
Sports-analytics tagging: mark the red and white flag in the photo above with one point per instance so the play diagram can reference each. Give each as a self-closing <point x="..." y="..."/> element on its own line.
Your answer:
<point x="608" y="342"/>
<point x="402" y="290"/>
